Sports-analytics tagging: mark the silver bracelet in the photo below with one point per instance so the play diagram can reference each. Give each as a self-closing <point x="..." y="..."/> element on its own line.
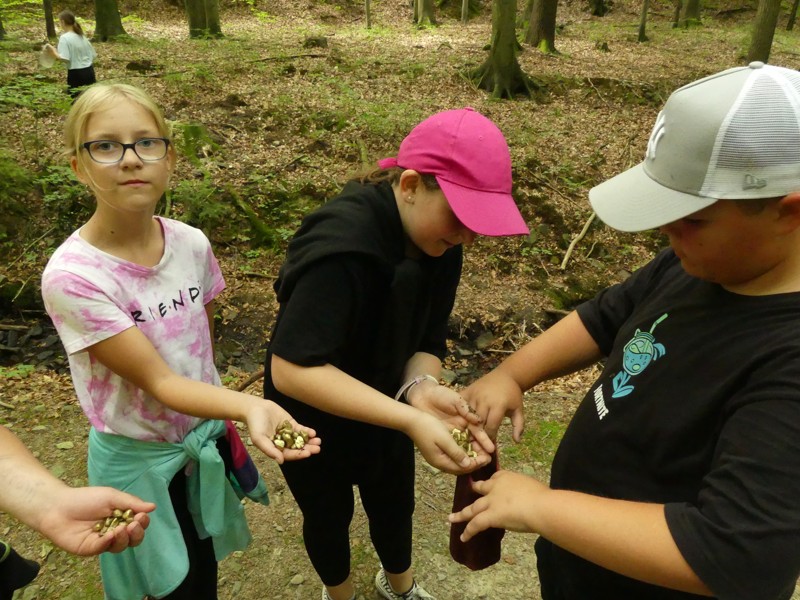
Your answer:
<point x="403" y="391"/>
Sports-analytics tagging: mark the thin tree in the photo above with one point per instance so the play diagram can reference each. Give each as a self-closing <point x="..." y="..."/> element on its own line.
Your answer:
<point x="792" y="15"/>
<point x="599" y="8"/>
<point x="203" y="16"/>
<point x="676" y="16"/>
<point x="49" y="24"/>
<point x="108" y="23"/>
<point x="464" y="11"/>
<point x="541" y="30"/>
<point x="368" y="13"/>
<point x="643" y="21"/>
<point x="501" y="74"/>
<point x="691" y="13"/>
<point x="763" y="30"/>
<point x="2" y="29"/>
<point x="424" y="13"/>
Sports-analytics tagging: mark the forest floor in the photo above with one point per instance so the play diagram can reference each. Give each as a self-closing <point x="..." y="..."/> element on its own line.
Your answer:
<point x="286" y="125"/>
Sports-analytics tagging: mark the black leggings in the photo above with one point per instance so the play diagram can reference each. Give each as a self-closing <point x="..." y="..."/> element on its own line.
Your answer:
<point x="201" y="580"/>
<point x="78" y="79"/>
<point x="323" y="488"/>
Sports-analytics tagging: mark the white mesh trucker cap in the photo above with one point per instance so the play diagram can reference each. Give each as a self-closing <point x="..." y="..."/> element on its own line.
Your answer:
<point x="734" y="135"/>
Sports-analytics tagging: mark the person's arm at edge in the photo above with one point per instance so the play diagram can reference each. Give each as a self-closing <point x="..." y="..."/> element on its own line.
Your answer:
<point x="564" y="348"/>
<point x="63" y="514"/>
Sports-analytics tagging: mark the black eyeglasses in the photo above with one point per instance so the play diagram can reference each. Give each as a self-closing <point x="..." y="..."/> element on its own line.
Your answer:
<point x="109" y="152"/>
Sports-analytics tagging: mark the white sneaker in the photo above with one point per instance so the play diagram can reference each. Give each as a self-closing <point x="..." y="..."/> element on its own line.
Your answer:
<point x="327" y="596"/>
<point x="385" y="590"/>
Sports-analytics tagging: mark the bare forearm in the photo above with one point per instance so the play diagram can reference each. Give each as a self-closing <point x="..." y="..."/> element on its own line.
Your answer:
<point x="631" y="538"/>
<point x="27" y="484"/>
<point x="564" y="348"/>
<point x="422" y="363"/>
<point x="332" y="390"/>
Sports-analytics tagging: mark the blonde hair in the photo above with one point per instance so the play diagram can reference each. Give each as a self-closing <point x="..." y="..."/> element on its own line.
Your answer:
<point x="99" y="97"/>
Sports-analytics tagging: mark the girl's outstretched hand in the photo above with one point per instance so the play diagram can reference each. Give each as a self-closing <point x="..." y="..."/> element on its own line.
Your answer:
<point x="508" y="503"/>
<point x="262" y="422"/>
<point x="449" y="407"/>
<point x="435" y="441"/>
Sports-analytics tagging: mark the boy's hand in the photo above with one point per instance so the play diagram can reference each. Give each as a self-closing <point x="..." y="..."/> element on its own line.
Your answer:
<point x="506" y="504"/>
<point x="494" y="396"/>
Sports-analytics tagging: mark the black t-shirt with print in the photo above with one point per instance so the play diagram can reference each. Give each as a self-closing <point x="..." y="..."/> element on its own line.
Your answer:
<point x="697" y="408"/>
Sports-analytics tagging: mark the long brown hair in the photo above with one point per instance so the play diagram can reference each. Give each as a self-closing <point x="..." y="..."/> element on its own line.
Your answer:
<point x="392" y="175"/>
<point x="68" y="18"/>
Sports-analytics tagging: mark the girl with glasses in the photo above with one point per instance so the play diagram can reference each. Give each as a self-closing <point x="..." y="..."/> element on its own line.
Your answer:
<point x="132" y="297"/>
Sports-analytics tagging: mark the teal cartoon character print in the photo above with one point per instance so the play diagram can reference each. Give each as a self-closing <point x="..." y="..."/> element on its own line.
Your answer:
<point x="637" y="356"/>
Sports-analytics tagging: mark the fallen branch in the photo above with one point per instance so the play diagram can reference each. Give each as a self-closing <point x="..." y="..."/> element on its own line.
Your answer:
<point x="575" y="241"/>
<point x="4" y="327"/>
<point x="8" y="406"/>
<point x="250" y="380"/>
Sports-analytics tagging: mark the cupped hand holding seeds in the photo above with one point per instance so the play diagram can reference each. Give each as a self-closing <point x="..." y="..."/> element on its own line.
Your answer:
<point x="263" y="426"/>
<point x="71" y="520"/>
<point x="447" y="405"/>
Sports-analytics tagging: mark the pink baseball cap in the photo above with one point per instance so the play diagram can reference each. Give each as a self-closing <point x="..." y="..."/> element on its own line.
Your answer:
<point x="469" y="157"/>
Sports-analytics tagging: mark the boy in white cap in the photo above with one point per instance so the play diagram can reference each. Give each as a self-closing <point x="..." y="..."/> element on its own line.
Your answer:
<point x="679" y="475"/>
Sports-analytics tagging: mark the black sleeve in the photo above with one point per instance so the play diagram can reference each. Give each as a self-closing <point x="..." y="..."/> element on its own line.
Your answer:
<point x="604" y="315"/>
<point x="313" y="325"/>
<point x="445" y="284"/>
<point x="742" y="537"/>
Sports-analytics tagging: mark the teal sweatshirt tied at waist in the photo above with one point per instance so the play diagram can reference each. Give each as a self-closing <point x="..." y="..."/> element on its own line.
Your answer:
<point x="160" y="563"/>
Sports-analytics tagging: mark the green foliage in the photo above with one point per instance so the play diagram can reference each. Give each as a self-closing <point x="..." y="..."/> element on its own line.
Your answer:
<point x="68" y="202"/>
<point x="538" y="444"/>
<point x="19" y="371"/>
<point x="37" y="93"/>
<point x="199" y="205"/>
<point x="15" y="181"/>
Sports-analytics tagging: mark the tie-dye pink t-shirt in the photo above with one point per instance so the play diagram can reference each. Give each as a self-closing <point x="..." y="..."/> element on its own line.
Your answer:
<point x="91" y="295"/>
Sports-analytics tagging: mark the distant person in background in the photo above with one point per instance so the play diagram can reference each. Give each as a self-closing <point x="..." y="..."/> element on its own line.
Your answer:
<point x="75" y="50"/>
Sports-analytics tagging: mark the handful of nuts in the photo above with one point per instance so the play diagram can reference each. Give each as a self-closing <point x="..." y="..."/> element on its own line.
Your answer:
<point x="462" y="439"/>
<point x="289" y="439"/>
<point x="117" y="517"/>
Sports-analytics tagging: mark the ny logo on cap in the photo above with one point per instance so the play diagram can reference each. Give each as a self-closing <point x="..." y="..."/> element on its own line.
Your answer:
<point x="751" y="182"/>
<point x="655" y="136"/>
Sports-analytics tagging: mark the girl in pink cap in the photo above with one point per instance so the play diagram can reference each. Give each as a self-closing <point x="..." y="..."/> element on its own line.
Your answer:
<point x="356" y="351"/>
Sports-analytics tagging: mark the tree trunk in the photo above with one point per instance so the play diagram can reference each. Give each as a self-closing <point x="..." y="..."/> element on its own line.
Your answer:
<point x="792" y="15"/>
<point x="599" y="8"/>
<point x="541" y="31"/>
<point x="464" y="11"/>
<point x="691" y="13"/>
<point x="425" y="13"/>
<point x="203" y="17"/>
<point x="50" y="26"/>
<point x="763" y="30"/>
<point x="108" y="23"/>
<point x="676" y="16"/>
<point x="2" y="29"/>
<point x="643" y="21"/>
<point x="368" y="13"/>
<point x="501" y="74"/>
